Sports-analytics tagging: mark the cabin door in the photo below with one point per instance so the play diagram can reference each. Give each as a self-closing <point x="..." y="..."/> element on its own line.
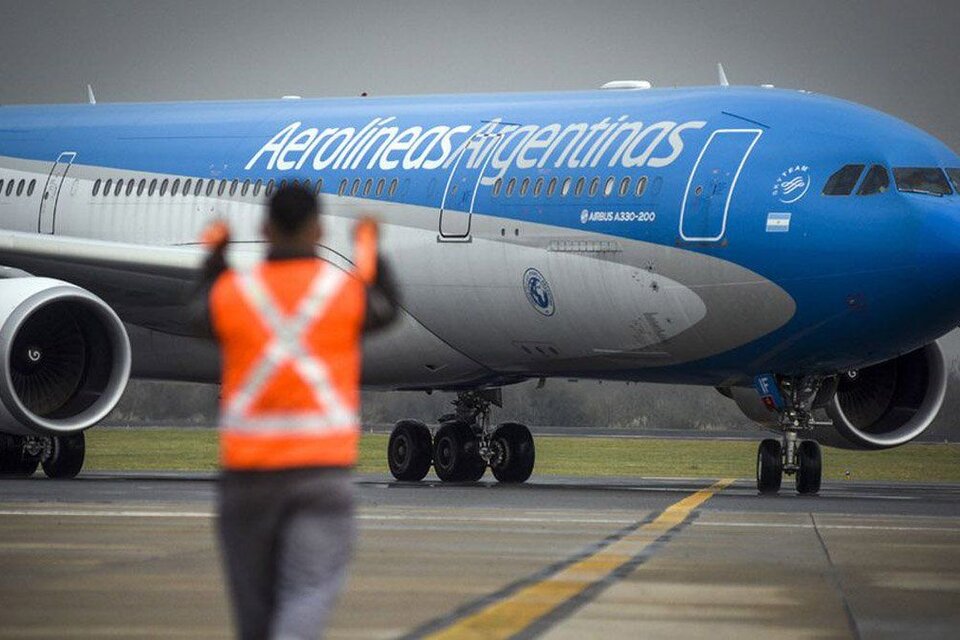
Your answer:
<point x="51" y="192"/>
<point x="460" y="192"/>
<point x="706" y="202"/>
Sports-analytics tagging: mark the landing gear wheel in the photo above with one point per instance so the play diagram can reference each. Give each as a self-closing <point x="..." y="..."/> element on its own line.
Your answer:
<point x="513" y="453"/>
<point x="810" y="465"/>
<point x="65" y="457"/>
<point x="14" y="461"/>
<point x="456" y="454"/>
<point x="769" y="466"/>
<point x="410" y="450"/>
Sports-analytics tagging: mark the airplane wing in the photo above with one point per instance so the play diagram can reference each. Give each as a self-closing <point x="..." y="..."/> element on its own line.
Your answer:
<point x="146" y="286"/>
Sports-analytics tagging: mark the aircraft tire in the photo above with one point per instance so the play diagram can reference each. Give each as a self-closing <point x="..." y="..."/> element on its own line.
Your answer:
<point x="769" y="466"/>
<point x="410" y="451"/>
<point x="456" y="454"/>
<point x="514" y="453"/>
<point x="65" y="459"/>
<point x="810" y="462"/>
<point x="13" y="462"/>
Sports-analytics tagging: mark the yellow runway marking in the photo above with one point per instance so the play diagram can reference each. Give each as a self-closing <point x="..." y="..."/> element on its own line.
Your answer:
<point x="511" y="615"/>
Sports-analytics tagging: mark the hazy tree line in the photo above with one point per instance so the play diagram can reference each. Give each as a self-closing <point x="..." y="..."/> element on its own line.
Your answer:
<point x="558" y="403"/>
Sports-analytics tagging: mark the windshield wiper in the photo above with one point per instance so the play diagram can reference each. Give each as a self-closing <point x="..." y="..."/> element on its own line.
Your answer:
<point x="924" y="192"/>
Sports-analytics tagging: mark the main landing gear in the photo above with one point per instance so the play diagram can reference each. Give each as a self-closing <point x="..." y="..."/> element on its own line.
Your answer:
<point x="59" y="456"/>
<point x="464" y="445"/>
<point x="790" y="455"/>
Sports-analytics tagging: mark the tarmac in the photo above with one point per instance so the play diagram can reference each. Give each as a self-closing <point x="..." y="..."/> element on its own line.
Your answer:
<point x="135" y="556"/>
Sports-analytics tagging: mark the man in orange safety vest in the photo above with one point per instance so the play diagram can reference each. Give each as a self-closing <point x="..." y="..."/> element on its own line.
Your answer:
<point x="289" y="331"/>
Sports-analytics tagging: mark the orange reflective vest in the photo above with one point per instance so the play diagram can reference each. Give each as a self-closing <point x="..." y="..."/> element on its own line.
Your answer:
<point x="289" y="332"/>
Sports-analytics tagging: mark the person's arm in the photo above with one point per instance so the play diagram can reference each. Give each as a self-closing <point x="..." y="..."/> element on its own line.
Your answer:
<point x="383" y="301"/>
<point x="216" y="237"/>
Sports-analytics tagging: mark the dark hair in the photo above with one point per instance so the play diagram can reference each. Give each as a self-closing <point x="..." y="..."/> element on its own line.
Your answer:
<point x="291" y="208"/>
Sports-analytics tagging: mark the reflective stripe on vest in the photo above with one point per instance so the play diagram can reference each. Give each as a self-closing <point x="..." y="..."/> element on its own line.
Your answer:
<point x="325" y="430"/>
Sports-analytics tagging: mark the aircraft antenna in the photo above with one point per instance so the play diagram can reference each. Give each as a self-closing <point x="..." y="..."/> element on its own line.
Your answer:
<point x="92" y="99"/>
<point x="723" y="75"/>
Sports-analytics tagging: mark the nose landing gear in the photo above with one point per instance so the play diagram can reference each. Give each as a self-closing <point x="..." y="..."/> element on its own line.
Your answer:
<point x="799" y="458"/>
<point x="464" y="445"/>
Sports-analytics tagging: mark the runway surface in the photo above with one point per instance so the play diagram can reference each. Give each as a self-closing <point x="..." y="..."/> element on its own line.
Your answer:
<point x="134" y="556"/>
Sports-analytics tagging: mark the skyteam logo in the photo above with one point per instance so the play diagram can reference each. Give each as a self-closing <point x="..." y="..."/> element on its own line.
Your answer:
<point x="538" y="292"/>
<point x="792" y="184"/>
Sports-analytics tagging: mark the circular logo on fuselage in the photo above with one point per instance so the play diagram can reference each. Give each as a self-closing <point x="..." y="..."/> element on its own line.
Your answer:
<point x="792" y="184"/>
<point x="538" y="292"/>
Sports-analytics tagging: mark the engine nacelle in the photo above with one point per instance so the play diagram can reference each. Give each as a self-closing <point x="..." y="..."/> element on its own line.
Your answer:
<point x="890" y="403"/>
<point x="64" y="357"/>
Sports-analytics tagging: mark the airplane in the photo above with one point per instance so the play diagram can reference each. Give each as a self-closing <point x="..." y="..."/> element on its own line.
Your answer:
<point x="798" y="252"/>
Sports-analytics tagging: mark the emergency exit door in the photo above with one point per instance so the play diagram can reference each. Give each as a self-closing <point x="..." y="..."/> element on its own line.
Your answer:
<point x="706" y="202"/>
<point x="460" y="193"/>
<point x="51" y="192"/>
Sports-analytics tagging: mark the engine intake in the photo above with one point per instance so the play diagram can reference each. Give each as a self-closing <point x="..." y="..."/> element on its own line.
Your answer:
<point x="890" y="403"/>
<point x="64" y="357"/>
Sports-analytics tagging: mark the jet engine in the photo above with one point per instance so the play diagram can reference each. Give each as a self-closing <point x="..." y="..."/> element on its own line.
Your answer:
<point x="64" y="357"/>
<point x="890" y="403"/>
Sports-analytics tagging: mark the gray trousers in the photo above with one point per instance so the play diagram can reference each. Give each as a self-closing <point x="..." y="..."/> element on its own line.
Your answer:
<point x="286" y="537"/>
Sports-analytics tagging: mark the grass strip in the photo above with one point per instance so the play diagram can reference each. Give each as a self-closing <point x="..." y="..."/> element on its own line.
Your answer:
<point x="172" y="449"/>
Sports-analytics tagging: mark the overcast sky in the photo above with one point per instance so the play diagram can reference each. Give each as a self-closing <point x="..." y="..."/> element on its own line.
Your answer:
<point x="901" y="57"/>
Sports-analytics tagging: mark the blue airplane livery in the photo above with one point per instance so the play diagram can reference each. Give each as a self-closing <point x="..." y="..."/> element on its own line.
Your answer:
<point x="799" y="253"/>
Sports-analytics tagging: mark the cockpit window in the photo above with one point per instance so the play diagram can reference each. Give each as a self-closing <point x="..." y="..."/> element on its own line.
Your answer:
<point x="843" y="181"/>
<point x="929" y="180"/>
<point x="954" y="178"/>
<point x="877" y="181"/>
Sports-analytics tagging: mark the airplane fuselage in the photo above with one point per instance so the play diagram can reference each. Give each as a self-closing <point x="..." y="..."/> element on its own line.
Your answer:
<point x="666" y="235"/>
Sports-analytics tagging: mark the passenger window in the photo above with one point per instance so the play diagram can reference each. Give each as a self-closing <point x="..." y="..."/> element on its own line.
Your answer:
<point x="1" y="186"/>
<point x="577" y="190"/>
<point x="106" y="188"/>
<point x="641" y="185"/>
<point x="11" y="183"/>
<point x="319" y="186"/>
<point x="356" y="187"/>
<point x="175" y="188"/>
<point x="222" y="188"/>
<point x="551" y="187"/>
<point x="20" y="187"/>
<point x="245" y="188"/>
<point x="211" y="185"/>
<point x="511" y="183"/>
<point x="283" y="184"/>
<point x="368" y="186"/>
<point x="565" y="187"/>
<point x="96" y="187"/>
<point x="131" y="185"/>
<point x="393" y="187"/>
<point x="624" y="186"/>
<point x="877" y="181"/>
<point x="954" y="178"/>
<point x="141" y="187"/>
<point x="270" y="187"/>
<point x="153" y="187"/>
<point x="843" y="181"/>
<point x="524" y="186"/>
<point x="187" y="184"/>
<point x="233" y="187"/>
<point x="608" y="186"/>
<point x="343" y="187"/>
<point x="163" y="187"/>
<point x="929" y="180"/>
<point x="496" y="187"/>
<point x="306" y="184"/>
<point x="594" y="186"/>
<point x="119" y="188"/>
<point x="33" y="184"/>
<point x="537" y="187"/>
<point x="256" y="188"/>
